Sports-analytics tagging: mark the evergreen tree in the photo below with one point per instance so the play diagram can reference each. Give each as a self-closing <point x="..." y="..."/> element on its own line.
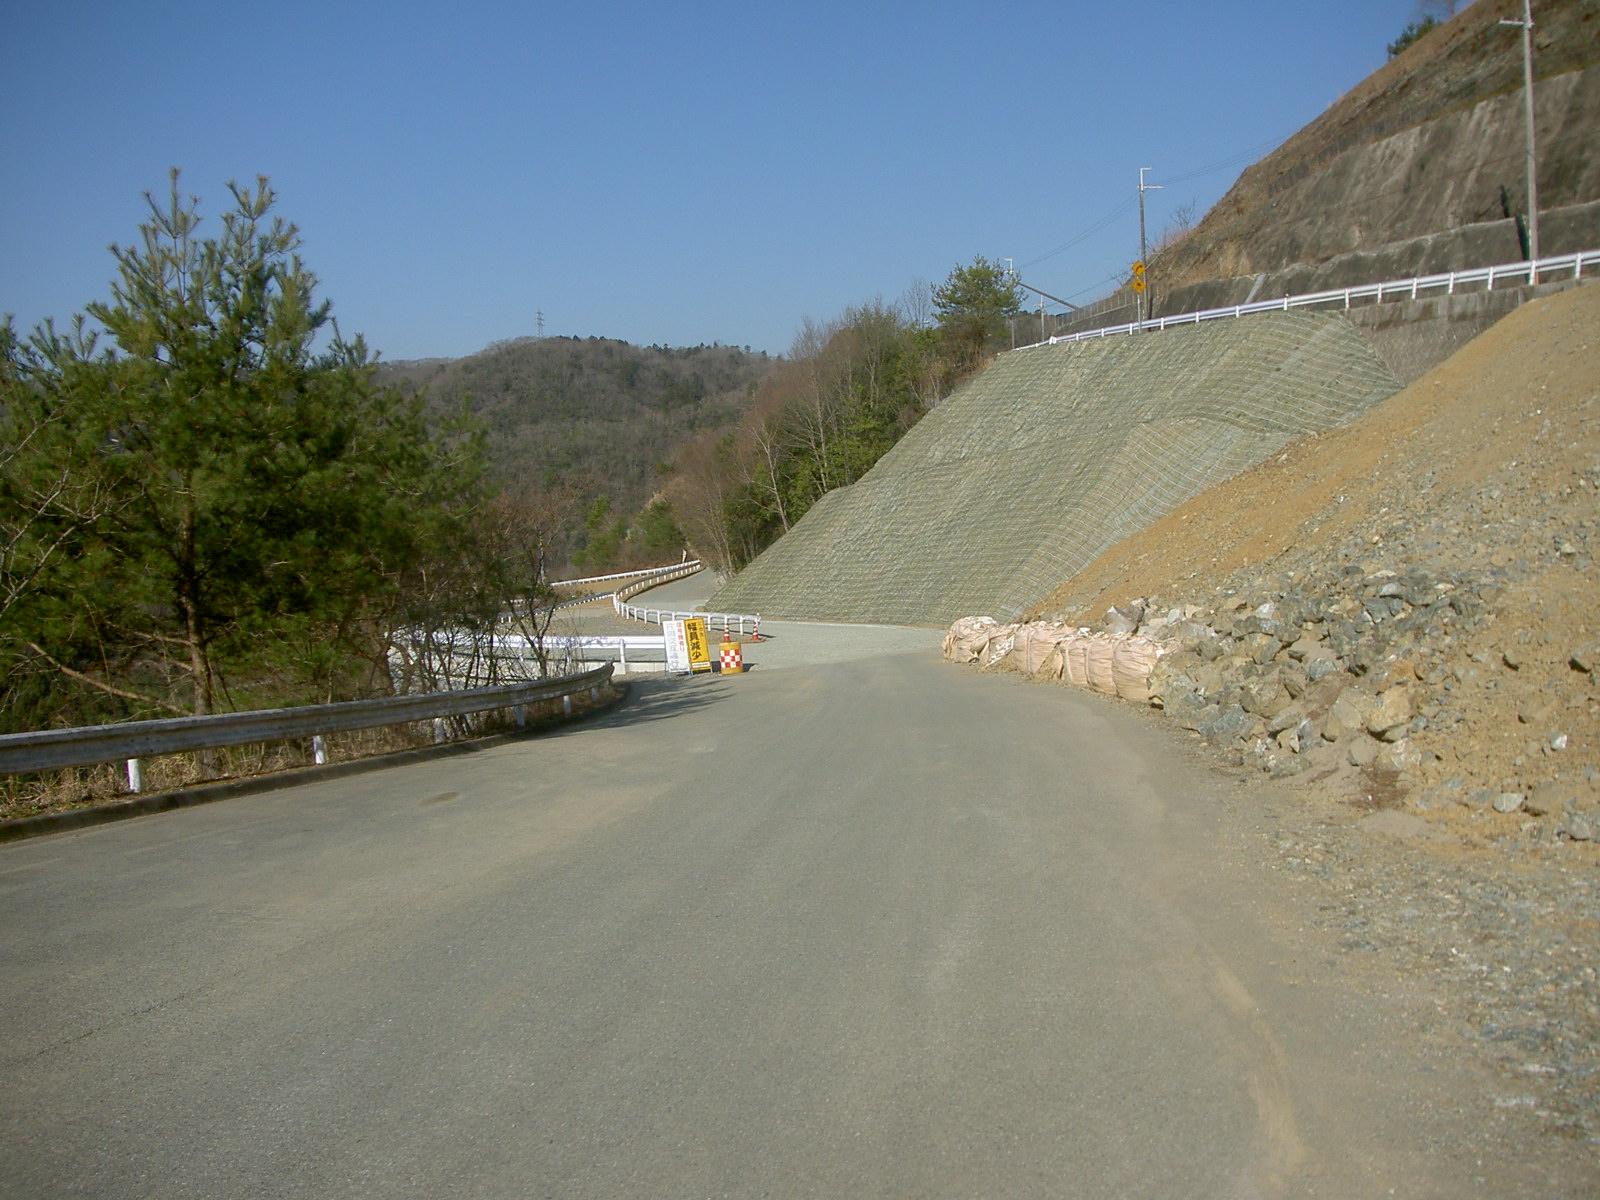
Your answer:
<point x="974" y="308"/>
<point x="211" y="510"/>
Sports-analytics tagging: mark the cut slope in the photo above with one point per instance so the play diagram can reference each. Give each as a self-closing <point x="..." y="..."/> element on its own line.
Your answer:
<point x="1423" y="144"/>
<point x="1485" y="471"/>
<point x="1520" y="399"/>
<point x="1052" y="455"/>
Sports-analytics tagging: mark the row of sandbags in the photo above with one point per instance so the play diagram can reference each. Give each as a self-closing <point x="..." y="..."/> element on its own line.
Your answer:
<point x="1115" y="664"/>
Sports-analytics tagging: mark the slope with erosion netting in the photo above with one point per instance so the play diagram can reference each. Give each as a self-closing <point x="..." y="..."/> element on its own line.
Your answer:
<point x="1050" y="456"/>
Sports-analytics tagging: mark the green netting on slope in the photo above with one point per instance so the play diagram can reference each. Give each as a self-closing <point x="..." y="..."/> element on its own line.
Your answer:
<point x="1051" y="456"/>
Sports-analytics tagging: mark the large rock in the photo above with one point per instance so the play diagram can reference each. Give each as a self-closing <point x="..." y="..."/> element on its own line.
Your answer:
<point x="1347" y="714"/>
<point x="1392" y="712"/>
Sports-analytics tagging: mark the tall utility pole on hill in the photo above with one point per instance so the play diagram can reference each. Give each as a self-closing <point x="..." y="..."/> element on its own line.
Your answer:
<point x="1143" y="188"/>
<point x="1526" y="25"/>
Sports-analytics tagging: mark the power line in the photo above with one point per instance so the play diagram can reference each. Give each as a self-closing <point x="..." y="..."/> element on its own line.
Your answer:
<point x="1128" y="206"/>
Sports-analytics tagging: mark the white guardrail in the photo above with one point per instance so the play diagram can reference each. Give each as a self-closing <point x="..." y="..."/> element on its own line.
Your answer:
<point x="643" y="571"/>
<point x="52" y="749"/>
<point x="648" y="651"/>
<point x="1449" y="284"/>
<point x="741" y="623"/>
<point x="649" y="576"/>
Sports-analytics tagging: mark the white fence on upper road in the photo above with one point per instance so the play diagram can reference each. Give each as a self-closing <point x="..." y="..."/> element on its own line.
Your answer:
<point x="1545" y="270"/>
<point x="740" y="623"/>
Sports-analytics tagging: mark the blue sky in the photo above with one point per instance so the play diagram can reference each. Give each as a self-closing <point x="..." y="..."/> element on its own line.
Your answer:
<point x="671" y="173"/>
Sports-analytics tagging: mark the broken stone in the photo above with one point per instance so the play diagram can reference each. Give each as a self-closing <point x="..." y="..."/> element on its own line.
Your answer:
<point x="1552" y="797"/>
<point x="1399" y="756"/>
<point x="1362" y="752"/>
<point x="1392" y="711"/>
<point x="1320" y="668"/>
<point x="1347" y="714"/>
<point x="1537" y="711"/>
<point x="1265" y="697"/>
<point x="1231" y="723"/>
<point x="1122" y="620"/>
<point x="1509" y="802"/>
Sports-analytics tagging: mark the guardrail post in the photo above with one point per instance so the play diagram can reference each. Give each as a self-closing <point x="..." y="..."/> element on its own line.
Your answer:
<point x="520" y="712"/>
<point x="440" y="734"/>
<point x="319" y="750"/>
<point x="566" y="705"/>
<point x="135" y="776"/>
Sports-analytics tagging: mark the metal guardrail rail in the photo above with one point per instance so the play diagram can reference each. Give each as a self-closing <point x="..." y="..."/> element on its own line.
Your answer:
<point x="1412" y="289"/>
<point x="741" y="623"/>
<point x="55" y="748"/>
<point x="652" y="571"/>
<point x="648" y="576"/>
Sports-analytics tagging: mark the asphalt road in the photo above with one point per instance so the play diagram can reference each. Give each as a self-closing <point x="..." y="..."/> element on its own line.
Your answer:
<point x="883" y="928"/>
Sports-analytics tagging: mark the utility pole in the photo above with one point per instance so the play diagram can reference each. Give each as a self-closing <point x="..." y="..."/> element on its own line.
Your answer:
<point x="1011" y="279"/>
<point x="1143" y="188"/>
<point x="1526" y="25"/>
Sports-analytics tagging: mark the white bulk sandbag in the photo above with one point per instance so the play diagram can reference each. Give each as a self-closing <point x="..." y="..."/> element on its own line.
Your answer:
<point x="968" y="637"/>
<point x="1097" y="661"/>
<point x="1036" y="643"/>
<point x="1132" y="663"/>
<point x="1077" y="661"/>
<point x="999" y="645"/>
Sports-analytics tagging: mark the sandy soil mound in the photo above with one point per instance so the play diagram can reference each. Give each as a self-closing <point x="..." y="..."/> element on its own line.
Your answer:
<point x="1487" y="470"/>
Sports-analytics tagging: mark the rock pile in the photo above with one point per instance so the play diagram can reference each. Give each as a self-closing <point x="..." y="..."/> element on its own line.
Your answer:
<point x="1364" y="666"/>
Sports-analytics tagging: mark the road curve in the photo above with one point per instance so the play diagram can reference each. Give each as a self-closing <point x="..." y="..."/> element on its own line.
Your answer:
<point x="881" y="929"/>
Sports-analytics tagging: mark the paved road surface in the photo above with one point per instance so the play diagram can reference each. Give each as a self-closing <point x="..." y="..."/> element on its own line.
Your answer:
<point x="878" y="929"/>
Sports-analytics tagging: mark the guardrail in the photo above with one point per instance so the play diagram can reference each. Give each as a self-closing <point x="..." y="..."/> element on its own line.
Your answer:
<point x="682" y="571"/>
<point x="649" y="577"/>
<point x="1527" y="272"/>
<point x="741" y="623"/>
<point x="649" y="651"/>
<point x="695" y="563"/>
<point x="52" y="749"/>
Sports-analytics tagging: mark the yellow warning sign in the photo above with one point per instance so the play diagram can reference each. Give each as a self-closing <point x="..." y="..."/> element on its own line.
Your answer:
<point x="1138" y="268"/>
<point x="698" y="643"/>
<point x="1138" y="284"/>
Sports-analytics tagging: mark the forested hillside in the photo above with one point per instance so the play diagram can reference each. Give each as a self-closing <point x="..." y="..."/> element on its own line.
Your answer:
<point x="585" y="426"/>
<point x="626" y="456"/>
<point x="847" y="392"/>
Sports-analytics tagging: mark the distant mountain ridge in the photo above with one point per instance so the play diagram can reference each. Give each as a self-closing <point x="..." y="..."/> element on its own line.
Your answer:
<point x="595" y="415"/>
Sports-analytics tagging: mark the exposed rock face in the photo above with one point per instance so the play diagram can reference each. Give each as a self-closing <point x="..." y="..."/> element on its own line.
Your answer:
<point x="1431" y="142"/>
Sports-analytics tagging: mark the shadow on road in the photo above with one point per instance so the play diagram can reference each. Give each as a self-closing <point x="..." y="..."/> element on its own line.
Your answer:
<point x="647" y="700"/>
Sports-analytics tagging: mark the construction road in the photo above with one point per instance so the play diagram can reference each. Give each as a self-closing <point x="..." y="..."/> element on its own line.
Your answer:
<point x="879" y="928"/>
